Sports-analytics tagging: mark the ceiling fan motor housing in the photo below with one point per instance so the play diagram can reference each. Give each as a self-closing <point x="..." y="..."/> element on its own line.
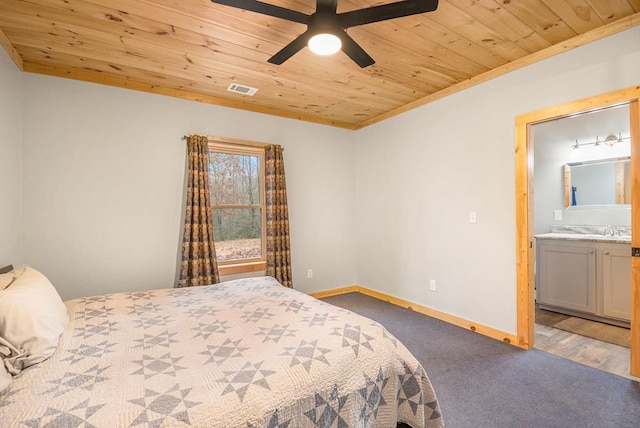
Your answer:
<point x="323" y="22"/>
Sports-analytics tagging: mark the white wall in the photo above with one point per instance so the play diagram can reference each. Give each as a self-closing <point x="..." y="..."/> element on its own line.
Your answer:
<point x="418" y="175"/>
<point x="103" y="177"/>
<point x="10" y="162"/>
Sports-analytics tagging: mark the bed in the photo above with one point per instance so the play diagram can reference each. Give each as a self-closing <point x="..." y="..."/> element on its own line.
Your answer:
<point x="244" y="353"/>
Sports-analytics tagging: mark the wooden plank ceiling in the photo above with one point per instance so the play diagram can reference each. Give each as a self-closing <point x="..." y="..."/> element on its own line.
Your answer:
<point x="194" y="49"/>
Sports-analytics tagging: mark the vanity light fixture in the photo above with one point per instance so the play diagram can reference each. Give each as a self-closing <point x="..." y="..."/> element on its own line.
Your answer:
<point x="610" y="141"/>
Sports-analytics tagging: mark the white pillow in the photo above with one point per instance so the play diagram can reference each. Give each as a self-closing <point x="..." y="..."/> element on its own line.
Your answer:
<point x="5" y="378"/>
<point x="6" y="279"/>
<point x="32" y="317"/>
<point x="6" y="350"/>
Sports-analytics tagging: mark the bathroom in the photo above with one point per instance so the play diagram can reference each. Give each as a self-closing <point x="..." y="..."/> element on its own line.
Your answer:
<point x="582" y="227"/>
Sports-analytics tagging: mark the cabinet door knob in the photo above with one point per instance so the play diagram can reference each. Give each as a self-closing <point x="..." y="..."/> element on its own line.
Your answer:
<point x="606" y="253"/>
<point x="592" y="251"/>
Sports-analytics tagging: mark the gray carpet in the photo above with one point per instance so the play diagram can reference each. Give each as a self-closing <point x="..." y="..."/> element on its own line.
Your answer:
<point x="481" y="382"/>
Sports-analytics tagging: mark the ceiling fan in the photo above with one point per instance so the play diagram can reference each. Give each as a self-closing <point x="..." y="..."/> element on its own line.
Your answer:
<point x="326" y="27"/>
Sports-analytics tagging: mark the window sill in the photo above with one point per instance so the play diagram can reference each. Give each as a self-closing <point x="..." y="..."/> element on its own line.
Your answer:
<point x="241" y="268"/>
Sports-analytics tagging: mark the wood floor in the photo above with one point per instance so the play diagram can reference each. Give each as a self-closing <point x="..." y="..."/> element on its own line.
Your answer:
<point x="585" y="350"/>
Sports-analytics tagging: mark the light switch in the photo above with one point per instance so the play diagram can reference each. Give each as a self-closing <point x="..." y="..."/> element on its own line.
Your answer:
<point x="472" y="217"/>
<point x="557" y="215"/>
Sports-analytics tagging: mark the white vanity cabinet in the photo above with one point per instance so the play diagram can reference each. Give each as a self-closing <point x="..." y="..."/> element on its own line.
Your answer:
<point x="584" y="277"/>
<point x="567" y="275"/>
<point x="616" y="281"/>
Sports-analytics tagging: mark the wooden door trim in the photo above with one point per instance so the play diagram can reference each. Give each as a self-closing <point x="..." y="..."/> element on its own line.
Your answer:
<point x="635" y="238"/>
<point x="524" y="209"/>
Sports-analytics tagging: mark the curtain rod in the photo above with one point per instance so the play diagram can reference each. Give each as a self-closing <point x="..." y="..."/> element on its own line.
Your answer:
<point x="232" y="141"/>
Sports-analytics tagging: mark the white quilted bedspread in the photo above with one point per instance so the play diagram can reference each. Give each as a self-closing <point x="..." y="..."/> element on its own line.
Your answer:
<point x="245" y="353"/>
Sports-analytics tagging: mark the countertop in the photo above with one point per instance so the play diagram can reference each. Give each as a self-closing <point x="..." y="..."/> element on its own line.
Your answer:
<point x="585" y="237"/>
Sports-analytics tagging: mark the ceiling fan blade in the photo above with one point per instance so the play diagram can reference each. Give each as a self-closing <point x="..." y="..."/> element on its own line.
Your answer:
<point x="386" y="11"/>
<point x="327" y="5"/>
<point x="354" y="51"/>
<point x="291" y="49"/>
<point x="266" y="9"/>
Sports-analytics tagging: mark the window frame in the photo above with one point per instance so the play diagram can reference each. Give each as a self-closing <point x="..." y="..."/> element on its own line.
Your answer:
<point x="248" y="148"/>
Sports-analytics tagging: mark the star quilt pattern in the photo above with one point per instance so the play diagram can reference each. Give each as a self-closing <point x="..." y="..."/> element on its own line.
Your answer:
<point x="245" y="353"/>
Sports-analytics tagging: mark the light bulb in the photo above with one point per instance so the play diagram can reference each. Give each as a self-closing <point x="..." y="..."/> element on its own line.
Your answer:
<point x="324" y="44"/>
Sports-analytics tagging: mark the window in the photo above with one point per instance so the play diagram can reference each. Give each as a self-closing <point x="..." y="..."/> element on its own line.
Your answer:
<point x="236" y="181"/>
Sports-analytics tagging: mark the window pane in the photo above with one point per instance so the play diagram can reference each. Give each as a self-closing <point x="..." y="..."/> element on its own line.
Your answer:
<point x="237" y="233"/>
<point x="234" y="179"/>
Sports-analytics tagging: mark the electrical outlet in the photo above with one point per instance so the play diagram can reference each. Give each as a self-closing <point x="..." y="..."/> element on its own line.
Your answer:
<point x="309" y="273"/>
<point x="432" y="285"/>
<point x="557" y="215"/>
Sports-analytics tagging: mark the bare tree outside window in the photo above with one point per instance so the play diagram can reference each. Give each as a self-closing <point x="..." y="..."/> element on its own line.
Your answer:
<point x="237" y="205"/>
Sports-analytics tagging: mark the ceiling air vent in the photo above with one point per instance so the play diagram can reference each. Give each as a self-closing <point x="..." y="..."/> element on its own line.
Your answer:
<point x="241" y="89"/>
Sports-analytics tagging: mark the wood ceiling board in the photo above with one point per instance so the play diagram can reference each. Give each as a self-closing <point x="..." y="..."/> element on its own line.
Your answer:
<point x="113" y="21"/>
<point x="449" y="39"/>
<point x="490" y="14"/>
<point x="433" y="33"/>
<point x="237" y="19"/>
<point x="467" y="26"/>
<point x="635" y="4"/>
<point x="541" y="18"/>
<point x="611" y="10"/>
<point x="197" y="31"/>
<point x="451" y="65"/>
<point x="194" y="49"/>
<point x="576" y="13"/>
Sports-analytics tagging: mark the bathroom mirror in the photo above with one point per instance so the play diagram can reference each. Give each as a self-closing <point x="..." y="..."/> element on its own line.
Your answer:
<point x="598" y="182"/>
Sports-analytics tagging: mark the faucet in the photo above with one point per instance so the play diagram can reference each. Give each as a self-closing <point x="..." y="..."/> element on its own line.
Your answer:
<point x="608" y="230"/>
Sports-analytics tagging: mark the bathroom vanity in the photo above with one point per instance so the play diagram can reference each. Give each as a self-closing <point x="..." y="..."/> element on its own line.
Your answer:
<point x="584" y="272"/>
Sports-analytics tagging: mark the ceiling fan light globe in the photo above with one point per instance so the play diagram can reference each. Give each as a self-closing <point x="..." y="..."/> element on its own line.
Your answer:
<point x="324" y="44"/>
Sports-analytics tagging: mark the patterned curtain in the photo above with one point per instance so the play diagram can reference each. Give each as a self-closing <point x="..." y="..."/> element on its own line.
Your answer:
<point x="278" y="246"/>
<point x="199" y="265"/>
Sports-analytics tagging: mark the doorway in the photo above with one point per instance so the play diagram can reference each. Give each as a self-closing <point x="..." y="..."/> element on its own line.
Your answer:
<point x="525" y="232"/>
<point x="582" y="184"/>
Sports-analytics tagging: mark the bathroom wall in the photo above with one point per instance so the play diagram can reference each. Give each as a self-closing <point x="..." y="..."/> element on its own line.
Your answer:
<point x="552" y="146"/>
